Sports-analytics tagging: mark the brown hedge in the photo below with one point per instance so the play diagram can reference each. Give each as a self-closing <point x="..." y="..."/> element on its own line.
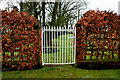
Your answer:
<point x="18" y="35"/>
<point x="98" y="32"/>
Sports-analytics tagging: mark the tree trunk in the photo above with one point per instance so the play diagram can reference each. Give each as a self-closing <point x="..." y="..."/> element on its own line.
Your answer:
<point x="54" y="13"/>
<point x="35" y="10"/>
<point x="21" y="5"/>
<point x="43" y="13"/>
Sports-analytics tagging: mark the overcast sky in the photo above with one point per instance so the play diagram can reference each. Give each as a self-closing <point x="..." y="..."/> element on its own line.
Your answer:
<point x="103" y="5"/>
<point x="92" y="4"/>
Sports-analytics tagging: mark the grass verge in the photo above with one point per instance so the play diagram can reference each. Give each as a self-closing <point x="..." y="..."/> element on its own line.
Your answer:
<point x="66" y="71"/>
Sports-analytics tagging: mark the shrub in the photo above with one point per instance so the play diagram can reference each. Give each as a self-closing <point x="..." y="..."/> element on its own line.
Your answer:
<point x="18" y="35"/>
<point x="98" y="36"/>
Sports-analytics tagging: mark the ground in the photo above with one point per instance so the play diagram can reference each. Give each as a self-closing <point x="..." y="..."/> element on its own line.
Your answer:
<point x="66" y="71"/>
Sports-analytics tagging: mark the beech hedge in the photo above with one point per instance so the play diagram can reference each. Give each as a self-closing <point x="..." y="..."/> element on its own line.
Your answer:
<point x="19" y="36"/>
<point x="98" y="36"/>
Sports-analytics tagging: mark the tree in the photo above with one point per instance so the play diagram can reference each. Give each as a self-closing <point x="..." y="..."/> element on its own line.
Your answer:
<point x="43" y="12"/>
<point x="65" y="12"/>
<point x="55" y="13"/>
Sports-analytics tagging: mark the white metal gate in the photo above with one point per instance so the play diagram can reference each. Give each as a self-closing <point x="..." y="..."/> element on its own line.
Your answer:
<point x="58" y="45"/>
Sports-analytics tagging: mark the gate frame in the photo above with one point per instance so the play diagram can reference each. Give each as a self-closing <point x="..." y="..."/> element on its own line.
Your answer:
<point x="74" y="45"/>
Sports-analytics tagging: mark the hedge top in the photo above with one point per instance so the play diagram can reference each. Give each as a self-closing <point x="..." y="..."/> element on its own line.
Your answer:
<point x="99" y="18"/>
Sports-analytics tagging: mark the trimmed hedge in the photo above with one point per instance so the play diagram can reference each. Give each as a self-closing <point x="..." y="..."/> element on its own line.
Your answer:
<point x="19" y="36"/>
<point x="98" y="36"/>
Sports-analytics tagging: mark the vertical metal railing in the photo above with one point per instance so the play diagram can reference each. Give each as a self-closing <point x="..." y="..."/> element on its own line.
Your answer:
<point x="52" y="44"/>
<point x="58" y="45"/>
<point x="65" y="44"/>
<point x="49" y="44"/>
<point x="62" y="43"/>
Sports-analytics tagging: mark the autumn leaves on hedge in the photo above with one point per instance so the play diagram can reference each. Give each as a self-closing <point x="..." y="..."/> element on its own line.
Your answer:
<point x="18" y="35"/>
<point x="98" y="33"/>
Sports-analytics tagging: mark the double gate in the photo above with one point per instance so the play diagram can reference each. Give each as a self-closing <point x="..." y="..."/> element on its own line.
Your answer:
<point x="58" y="45"/>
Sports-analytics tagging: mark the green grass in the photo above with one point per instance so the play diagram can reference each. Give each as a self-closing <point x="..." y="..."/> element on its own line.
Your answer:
<point x="62" y="72"/>
<point x="104" y="57"/>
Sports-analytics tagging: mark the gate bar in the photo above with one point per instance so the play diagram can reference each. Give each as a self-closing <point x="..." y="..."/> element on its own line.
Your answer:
<point x="49" y="44"/>
<point x="57" y="44"/>
<point x="65" y="44"/>
<point x="60" y="44"/>
<point x="52" y="44"/>
<point x="42" y="47"/>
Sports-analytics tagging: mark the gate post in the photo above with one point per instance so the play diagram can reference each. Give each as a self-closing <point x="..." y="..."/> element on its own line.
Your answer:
<point x="74" y="39"/>
<point x="39" y="44"/>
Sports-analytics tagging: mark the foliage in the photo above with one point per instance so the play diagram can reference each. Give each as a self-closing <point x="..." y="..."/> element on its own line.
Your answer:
<point x="99" y="33"/>
<point x="18" y="35"/>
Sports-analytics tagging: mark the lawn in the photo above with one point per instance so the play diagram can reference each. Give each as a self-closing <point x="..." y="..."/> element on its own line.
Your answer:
<point x="66" y="71"/>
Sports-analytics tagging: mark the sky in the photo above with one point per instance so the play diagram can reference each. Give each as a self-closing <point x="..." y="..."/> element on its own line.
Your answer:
<point x="92" y="4"/>
<point x="111" y="5"/>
